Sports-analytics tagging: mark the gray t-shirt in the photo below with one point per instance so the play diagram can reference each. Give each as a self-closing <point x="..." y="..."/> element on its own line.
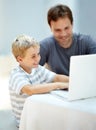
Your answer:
<point x="58" y="57"/>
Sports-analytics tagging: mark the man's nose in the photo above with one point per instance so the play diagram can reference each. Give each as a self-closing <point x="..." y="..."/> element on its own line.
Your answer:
<point x="63" y="33"/>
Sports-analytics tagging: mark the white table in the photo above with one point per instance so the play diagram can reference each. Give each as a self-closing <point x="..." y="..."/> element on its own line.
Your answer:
<point x="47" y="112"/>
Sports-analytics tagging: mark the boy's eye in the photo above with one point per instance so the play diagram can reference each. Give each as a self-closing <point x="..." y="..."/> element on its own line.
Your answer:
<point x="33" y="56"/>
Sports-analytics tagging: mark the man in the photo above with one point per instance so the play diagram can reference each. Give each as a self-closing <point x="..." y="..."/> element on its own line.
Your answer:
<point x="56" y="50"/>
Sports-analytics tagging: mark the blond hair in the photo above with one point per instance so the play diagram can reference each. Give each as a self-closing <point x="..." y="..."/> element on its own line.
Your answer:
<point x="22" y="43"/>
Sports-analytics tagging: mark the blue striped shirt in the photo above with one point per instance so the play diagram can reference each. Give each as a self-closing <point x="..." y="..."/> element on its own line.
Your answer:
<point x="20" y="78"/>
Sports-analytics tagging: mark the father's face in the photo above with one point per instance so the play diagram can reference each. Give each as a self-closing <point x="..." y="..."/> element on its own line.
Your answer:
<point x="62" y="31"/>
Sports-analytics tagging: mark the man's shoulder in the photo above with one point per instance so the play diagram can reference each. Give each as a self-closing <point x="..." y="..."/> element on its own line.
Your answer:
<point x="85" y="41"/>
<point x="79" y="36"/>
<point x="48" y="40"/>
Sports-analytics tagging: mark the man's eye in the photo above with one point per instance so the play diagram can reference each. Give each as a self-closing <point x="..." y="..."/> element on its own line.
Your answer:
<point x="66" y="28"/>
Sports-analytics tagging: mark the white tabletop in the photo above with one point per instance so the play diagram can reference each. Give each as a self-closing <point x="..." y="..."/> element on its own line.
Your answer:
<point x="64" y="115"/>
<point x="87" y="105"/>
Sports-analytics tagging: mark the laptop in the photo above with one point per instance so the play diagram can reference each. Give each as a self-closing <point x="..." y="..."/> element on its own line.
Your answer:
<point x="82" y="78"/>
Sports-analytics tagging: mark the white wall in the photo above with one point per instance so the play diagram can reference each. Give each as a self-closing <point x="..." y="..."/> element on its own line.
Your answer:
<point x="86" y="16"/>
<point x="20" y="16"/>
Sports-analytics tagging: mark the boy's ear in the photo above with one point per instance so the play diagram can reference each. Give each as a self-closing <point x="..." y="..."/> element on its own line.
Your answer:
<point x="19" y="59"/>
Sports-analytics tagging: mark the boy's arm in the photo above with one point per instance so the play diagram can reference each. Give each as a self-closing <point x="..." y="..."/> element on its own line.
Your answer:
<point x="43" y="88"/>
<point x="61" y="78"/>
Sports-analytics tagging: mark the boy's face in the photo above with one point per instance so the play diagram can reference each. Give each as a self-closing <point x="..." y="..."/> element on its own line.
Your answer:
<point x="31" y="59"/>
<point x="62" y="31"/>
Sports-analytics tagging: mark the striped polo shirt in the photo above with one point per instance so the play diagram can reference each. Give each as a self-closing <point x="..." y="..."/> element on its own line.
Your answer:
<point x="19" y="78"/>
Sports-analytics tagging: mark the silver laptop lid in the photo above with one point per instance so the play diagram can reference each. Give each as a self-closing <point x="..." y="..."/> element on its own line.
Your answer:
<point x="82" y="83"/>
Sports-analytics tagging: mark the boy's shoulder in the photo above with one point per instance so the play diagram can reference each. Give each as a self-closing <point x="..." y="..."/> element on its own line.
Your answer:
<point x="15" y="71"/>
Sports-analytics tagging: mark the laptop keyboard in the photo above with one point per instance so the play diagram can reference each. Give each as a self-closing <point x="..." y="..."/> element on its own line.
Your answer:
<point x="60" y="93"/>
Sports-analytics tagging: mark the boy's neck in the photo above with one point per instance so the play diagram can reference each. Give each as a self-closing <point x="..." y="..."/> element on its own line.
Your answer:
<point x="29" y="71"/>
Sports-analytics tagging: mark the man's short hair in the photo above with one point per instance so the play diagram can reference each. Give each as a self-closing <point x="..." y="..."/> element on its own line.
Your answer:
<point x="59" y="11"/>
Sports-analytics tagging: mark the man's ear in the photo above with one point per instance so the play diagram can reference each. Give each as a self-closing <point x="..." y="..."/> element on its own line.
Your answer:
<point x="19" y="59"/>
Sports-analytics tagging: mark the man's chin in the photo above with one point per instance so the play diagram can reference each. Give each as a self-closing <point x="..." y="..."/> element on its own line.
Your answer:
<point x="65" y="43"/>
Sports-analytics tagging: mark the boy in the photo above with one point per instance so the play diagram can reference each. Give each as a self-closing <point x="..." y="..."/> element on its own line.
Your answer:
<point x="29" y="77"/>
